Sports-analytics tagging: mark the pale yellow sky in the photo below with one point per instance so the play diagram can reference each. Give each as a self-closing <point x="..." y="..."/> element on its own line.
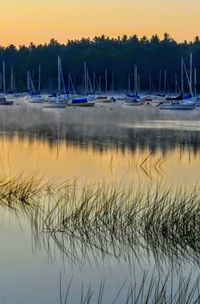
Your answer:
<point x="22" y="21"/>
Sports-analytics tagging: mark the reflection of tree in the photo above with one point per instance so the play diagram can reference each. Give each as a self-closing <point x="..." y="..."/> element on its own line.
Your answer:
<point x="102" y="139"/>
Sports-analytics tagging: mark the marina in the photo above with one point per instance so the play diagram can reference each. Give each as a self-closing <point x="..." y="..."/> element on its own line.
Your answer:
<point x="99" y="152"/>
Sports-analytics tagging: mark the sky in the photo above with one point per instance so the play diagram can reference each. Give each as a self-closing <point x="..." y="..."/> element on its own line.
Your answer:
<point x="25" y="21"/>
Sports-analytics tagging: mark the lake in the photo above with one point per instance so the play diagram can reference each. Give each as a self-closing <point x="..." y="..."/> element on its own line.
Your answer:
<point x="107" y="155"/>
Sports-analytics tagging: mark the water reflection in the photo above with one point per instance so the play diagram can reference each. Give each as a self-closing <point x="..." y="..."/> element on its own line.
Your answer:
<point x="53" y="234"/>
<point x="167" y="158"/>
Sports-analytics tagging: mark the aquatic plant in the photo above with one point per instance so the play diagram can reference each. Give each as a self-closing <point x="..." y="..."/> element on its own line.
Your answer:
<point x="100" y="222"/>
<point x="149" y="289"/>
<point x="20" y="190"/>
<point x="120" y="222"/>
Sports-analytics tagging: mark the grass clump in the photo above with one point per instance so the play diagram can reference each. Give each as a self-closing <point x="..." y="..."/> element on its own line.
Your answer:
<point x="147" y="289"/>
<point x="118" y="222"/>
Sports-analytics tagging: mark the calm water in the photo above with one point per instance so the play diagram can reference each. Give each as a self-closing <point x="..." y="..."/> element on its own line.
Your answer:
<point x="123" y="148"/>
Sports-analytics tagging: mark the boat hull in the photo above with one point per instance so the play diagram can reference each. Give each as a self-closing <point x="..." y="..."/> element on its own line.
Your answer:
<point x="89" y="104"/>
<point x="183" y="107"/>
<point x="7" y="103"/>
<point x="134" y="103"/>
<point x="55" y="106"/>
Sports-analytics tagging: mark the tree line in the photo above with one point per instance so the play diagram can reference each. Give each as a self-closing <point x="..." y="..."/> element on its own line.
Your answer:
<point x="110" y="63"/>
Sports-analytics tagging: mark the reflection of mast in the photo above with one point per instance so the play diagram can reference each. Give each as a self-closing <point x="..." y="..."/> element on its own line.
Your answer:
<point x="58" y="137"/>
<point x="189" y="141"/>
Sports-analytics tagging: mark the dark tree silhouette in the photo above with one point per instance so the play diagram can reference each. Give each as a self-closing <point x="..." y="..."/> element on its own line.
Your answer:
<point x="116" y="55"/>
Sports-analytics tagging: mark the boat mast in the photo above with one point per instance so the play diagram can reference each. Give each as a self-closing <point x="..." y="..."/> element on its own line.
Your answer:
<point x="150" y="82"/>
<point x="191" y="72"/>
<point x="160" y="80"/>
<point x="27" y="81"/>
<point x="176" y="84"/>
<point x="138" y="84"/>
<point x="89" y="82"/>
<point x="188" y="79"/>
<point x="14" y="81"/>
<point x="129" y="83"/>
<point x="68" y="84"/>
<point x="165" y="82"/>
<point x="113" y="79"/>
<point x="93" y="82"/>
<point x="11" y="80"/>
<point x="62" y="79"/>
<point x="135" y="79"/>
<point x="182" y="80"/>
<point x="59" y="75"/>
<point x="85" y="78"/>
<point x="39" y="78"/>
<point x="4" y="78"/>
<point x="195" y="82"/>
<point x="106" y="81"/>
<point x="100" y="84"/>
<point x="70" y="81"/>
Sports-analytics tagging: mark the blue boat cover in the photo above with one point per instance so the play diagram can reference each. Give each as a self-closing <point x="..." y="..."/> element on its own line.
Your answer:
<point x="79" y="100"/>
<point x="187" y="96"/>
<point x="133" y="95"/>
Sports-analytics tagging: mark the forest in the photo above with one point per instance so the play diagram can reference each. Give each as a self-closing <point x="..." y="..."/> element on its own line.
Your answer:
<point x="110" y="63"/>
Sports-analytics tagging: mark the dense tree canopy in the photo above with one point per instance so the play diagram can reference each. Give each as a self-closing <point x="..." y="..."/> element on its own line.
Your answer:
<point x="116" y="55"/>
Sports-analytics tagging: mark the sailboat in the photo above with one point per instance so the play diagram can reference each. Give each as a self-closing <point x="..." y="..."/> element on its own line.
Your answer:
<point x="33" y="96"/>
<point x="133" y="99"/>
<point x="4" y="99"/>
<point x="181" y="102"/>
<point x="105" y="98"/>
<point x="58" y="100"/>
<point x="85" y="100"/>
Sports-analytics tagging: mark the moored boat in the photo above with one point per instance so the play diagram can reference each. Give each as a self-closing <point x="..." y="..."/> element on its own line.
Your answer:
<point x="178" y="106"/>
<point x="133" y="100"/>
<point x="105" y="99"/>
<point x="55" y="105"/>
<point x="5" y="101"/>
<point x="81" y="102"/>
<point x="34" y="98"/>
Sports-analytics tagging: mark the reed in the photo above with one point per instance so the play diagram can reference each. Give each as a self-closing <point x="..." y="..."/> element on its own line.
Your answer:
<point x="100" y="222"/>
<point x="20" y="191"/>
<point x="148" y="289"/>
<point x="118" y="222"/>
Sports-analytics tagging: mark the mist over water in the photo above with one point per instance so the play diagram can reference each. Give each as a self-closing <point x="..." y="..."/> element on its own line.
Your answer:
<point x="110" y="145"/>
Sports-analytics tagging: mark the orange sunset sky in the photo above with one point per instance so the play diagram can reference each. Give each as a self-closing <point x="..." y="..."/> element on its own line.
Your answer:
<point x="22" y="21"/>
